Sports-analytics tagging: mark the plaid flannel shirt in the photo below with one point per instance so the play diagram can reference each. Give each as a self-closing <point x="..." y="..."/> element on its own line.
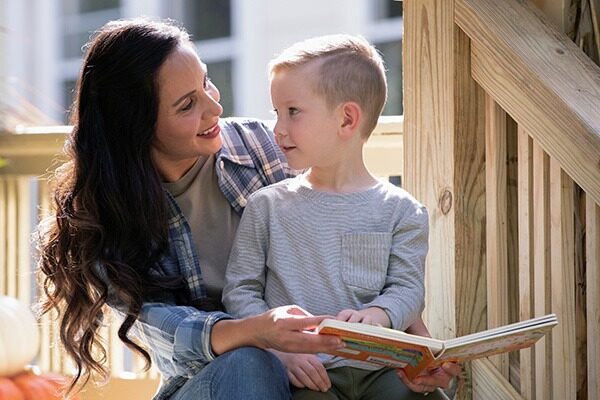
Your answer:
<point x="178" y="337"/>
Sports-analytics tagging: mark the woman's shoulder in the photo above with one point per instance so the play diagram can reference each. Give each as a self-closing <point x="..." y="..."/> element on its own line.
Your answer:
<point x="241" y="128"/>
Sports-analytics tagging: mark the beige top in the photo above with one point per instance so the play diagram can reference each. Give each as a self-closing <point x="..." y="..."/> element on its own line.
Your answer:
<point x="212" y="220"/>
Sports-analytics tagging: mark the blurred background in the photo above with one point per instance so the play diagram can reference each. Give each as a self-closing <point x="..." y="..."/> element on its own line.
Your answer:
<point x="41" y="46"/>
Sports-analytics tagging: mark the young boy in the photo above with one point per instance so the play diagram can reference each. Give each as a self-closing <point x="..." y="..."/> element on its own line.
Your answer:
<point x="335" y="240"/>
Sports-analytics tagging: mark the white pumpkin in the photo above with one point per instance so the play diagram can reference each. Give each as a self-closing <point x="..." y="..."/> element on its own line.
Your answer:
<point x="19" y="336"/>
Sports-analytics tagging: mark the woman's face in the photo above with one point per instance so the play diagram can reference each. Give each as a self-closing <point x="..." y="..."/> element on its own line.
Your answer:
<point x="188" y="114"/>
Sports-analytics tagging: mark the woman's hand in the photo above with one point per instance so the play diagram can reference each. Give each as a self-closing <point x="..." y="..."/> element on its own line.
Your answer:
<point x="429" y="380"/>
<point x="305" y="371"/>
<point x="283" y="328"/>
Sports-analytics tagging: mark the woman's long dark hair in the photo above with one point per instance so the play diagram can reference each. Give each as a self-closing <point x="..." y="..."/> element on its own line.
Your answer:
<point x="110" y="205"/>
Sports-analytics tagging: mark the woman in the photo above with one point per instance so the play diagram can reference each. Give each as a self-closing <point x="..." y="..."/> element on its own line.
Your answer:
<point x="146" y="210"/>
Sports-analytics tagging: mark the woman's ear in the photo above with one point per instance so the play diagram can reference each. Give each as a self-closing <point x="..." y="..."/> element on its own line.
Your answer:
<point x="351" y="118"/>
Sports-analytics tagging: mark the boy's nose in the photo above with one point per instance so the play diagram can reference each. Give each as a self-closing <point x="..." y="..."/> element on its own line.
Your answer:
<point x="278" y="129"/>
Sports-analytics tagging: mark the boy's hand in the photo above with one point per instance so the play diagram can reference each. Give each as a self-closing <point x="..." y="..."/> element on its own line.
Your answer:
<point x="305" y="371"/>
<point x="371" y="316"/>
<point x="429" y="380"/>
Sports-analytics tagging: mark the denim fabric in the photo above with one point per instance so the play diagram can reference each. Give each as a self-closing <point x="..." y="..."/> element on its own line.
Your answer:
<point x="246" y="373"/>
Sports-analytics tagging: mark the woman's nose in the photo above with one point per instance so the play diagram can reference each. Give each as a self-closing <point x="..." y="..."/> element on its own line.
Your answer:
<point x="215" y="108"/>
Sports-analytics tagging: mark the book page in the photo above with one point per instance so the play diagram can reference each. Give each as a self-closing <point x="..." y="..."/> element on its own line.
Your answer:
<point x="488" y="345"/>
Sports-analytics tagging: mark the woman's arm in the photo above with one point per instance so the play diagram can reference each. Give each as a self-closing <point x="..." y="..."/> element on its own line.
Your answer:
<point x="283" y="328"/>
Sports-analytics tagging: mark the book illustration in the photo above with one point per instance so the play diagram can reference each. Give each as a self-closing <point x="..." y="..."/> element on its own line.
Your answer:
<point x="382" y="353"/>
<point x="413" y="353"/>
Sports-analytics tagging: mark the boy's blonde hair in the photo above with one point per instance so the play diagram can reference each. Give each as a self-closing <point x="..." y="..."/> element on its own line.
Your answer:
<point x="351" y="69"/>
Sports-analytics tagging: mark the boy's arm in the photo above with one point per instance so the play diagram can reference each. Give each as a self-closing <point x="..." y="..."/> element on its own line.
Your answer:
<point x="403" y="294"/>
<point x="243" y="294"/>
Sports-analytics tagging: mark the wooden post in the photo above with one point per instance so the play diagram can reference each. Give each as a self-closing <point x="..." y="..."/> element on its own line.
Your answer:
<point x="444" y="164"/>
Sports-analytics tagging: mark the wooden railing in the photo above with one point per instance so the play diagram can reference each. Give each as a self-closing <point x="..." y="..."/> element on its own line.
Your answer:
<point x="552" y="90"/>
<point x="31" y="156"/>
<point x="507" y="112"/>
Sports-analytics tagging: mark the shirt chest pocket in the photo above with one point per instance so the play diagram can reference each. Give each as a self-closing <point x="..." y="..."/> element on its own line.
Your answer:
<point x="365" y="258"/>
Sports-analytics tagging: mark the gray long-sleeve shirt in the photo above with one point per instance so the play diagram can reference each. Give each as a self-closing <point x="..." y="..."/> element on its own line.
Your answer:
<point x="327" y="251"/>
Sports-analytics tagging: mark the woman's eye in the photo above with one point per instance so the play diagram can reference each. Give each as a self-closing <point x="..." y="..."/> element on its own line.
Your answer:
<point x="188" y="105"/>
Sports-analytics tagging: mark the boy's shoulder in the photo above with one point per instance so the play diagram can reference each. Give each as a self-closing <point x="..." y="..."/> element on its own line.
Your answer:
<point x="403" y="202"/>
<point x="396" y="192"/>
<point x="275" y="191"/>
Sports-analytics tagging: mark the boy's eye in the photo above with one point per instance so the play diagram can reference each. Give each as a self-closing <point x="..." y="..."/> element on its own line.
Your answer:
<point x="206" y="83"/>
<point x="293" y="111"/>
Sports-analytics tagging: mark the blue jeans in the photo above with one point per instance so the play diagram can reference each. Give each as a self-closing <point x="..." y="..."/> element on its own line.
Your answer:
<point x="245" y="373"/>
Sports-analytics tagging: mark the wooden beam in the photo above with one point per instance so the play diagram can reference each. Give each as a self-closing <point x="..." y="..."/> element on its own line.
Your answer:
<point x="541" y="262"/>
<point x="490" y="384"/>
<point x="556" y="11"/>
<point x="526" y="256"/>
<point x="562" y="266"/>
<point x="428" y="126"/>
<point x="541" y="79"/>
<point x="593" y="297"/>
<point x="444" y="165"/>
<point x="444" y="145"/>
<point x="496" y="222"/>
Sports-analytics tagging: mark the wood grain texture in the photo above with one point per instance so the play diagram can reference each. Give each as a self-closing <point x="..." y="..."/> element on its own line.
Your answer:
<point x="562" y="271"/>
<point x="428" y="144"/>
<point x="541" y="265"/>
<point x="496" y="222"/>
<point x="525" y="210"/>
<point x="593" y="297"/>
<point x="490" y="384"/>
<point x="541" y="79"/>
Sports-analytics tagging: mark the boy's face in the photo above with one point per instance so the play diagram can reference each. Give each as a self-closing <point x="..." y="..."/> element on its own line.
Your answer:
<point x="306" y="128"/>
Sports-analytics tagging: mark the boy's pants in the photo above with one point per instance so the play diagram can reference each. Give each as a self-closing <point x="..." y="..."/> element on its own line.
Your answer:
<point x="348" y="383"/>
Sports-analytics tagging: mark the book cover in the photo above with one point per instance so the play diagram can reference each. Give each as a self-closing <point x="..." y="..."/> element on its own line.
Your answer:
<point x="413" y="353"/>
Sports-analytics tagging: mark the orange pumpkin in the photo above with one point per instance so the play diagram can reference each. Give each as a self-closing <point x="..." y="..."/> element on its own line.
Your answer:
<point x="32" y="386"/>
<point x="9" y="391"/>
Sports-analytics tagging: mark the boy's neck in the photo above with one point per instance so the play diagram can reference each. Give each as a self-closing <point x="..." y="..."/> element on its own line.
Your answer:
<point x="340" y="179"/>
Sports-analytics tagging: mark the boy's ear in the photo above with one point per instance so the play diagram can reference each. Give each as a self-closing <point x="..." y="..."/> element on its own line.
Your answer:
<point x="351" y="117"/>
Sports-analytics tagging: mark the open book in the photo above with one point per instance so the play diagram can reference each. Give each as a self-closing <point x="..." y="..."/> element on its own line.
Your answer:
<point x="414" y="353"/>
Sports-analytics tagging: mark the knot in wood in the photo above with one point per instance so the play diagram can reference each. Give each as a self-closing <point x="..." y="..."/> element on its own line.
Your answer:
<point x="445" y="202"/>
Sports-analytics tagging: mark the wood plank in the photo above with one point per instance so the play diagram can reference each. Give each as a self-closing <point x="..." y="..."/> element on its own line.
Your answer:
<point x="593" y="297"/>
<point x="444" y="143"/>
<point x="512" y="239"/>
<point x="525" y="209"/>
<point x="556" y="11"/>
<point x="562" y="266"/>
<point x="547" y="85"/>
<point x="3" y="237"/>
<point x="468" y="193"/>
<point x="490" y="384"/>
<point x="11" y="236"/>
<point x="46" y="141"/>
<point x="541" y="259"/>
<point x="23" y="240"/>
<point x="383" y="155"/>
<point x="496" y="223"/>
<point x="429" y="159"/>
